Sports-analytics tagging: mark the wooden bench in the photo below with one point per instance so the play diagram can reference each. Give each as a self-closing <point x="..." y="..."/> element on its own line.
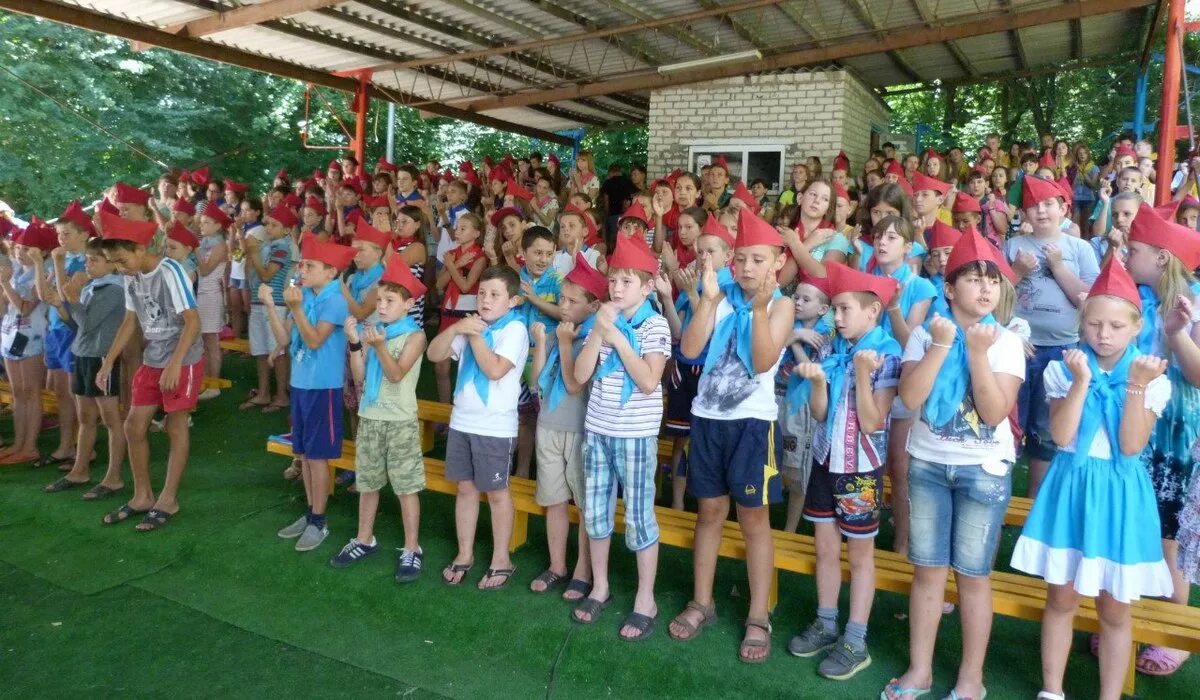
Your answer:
<point x="49" y="398"/>
<point x="236" y="345"/>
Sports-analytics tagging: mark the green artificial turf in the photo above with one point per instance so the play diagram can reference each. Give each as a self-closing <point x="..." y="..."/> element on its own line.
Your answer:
<point x="216" y="605"/>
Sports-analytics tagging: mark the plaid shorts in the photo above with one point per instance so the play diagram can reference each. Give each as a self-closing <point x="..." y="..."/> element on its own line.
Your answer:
<point x="629" y="463"/>
<point x="389" y="452"/>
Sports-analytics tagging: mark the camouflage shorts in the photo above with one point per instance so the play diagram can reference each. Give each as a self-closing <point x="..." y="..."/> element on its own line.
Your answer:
<point x="389" y="452"/>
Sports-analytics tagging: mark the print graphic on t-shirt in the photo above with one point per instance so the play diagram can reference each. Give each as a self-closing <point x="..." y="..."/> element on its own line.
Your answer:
<point x="727" y="385"/>
<point x="966" y="426"/>
<point x="153" y="317"/>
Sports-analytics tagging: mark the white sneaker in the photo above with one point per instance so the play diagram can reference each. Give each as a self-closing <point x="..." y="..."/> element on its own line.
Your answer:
<point x="208" y="394"/>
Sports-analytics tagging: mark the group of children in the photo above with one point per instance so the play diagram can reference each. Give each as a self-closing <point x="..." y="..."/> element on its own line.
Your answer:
<point x="906" y="347"/>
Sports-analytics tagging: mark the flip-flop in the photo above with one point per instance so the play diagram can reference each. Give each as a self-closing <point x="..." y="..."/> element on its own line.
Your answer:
<point x="120" y="515"/>
<point x="99" y="492"/>
<point x="492" y="573"/>
<point x="592" y="608"/>
<point x="247" y="405"/>
<point x="577" y="586"/>
<point x="692" y="630"/>
<point x="153" y="520"/>
<point x="50" y="460"/>
<point x="15" y="458"/>
<point x="455" y="569"/>
<point x="955" y="696"/>
<point x="64" y="484"/>
<point x="894" y="690"/>
<point x="550" y="580"/>
<point x="644" y="624"/>
<point x="274" y="407"/>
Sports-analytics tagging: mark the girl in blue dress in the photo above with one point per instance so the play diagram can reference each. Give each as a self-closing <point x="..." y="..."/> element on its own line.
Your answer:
<point x="1093" y="530"/>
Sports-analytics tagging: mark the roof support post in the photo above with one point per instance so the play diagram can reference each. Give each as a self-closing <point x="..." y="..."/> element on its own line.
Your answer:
<point x="1169" y="116"/>
<point x="362" y="103"/>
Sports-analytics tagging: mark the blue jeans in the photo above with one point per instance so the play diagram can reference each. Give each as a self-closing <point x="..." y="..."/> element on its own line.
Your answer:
<point x="1032" y="407"/>
<point x="955" y="515"/>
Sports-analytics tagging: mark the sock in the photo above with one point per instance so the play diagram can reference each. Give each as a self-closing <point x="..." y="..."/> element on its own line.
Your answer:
<point x="317" y="520"/>
<point x="828" y="619"/>
<point x="308" y="514"/>
<point x="856" y="635"/>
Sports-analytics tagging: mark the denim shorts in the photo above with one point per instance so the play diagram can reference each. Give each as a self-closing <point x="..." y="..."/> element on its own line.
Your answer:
<point x="1032" y="407"/>
<point x="955" y="515"/>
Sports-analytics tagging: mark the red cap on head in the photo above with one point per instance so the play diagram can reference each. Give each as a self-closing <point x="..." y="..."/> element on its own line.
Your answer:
<point x="472" y="179"/>
<point x="931" y="153"/>
<point x="1047" y="161"/>
<point x="398" y="272"/>
<point x="842" y="162"/>
<point x="284" y="215"/>
<point x="448" y="176"/>
<point x="752" y="230"/>
<point x="894" y="168"/>
<point x="821" y="283"/>
<point x="713" y="227"/>
<point x="553" y="158"/>
<point x="942" y="236"/>
<point x="372" y="201"/>
<point x="332" y="254"/>
<point x="466" y="167"/>
<point x="1035" y="190"/>
<point x="743" y="193"/>
<point x="517" y="191"/>
<point x="1151" y="229"/>
<point x="983" y="153"/>
<point x="1114" y="281"/>
<point x="637" y="211"/>
<point x="972" y="247"/>
<point x="76" y="215"/>
<point x="313" y="202"/>
<point x="334" y="165"/>
<point x="292" y="201"/>
<point x="282" y="174"/>
<point x="1064" y="185"/>
<point x="592" y="233"/>
<point x="184" y="206"/>
<point x="720" y="162"/>
<point x="508" y="163"/>
<point x="236" y="187"/>
<point x="107" y="205"/>
<point x="588" y="277"/>
<point x="119" y="229"/>
<point x="38" y="235"/>
<point x="904" y="185"/>
<point x="384" y="166"/>
<point x="503" y="213"/>
<point x="131" y="195"/>
<point x="354" y="217"/>
<point x="180" y="234"/>
<point x="200" y="176"/>
<point x="217" y="214"/>
<point x="1124" y="150"/>
<point x="318" y="174"/>
<point x="369" y="234"/>
<point x="841" y="193"/>
<point x="964" y="202"/>
<point x="352" y="183"/>
<point x="843" y="279"/>
<point x="632" y="253"/>
<point x="921" y="181"/>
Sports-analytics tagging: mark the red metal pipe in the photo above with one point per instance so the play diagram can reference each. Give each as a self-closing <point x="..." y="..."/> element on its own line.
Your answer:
<point x="362" y="102"/>
<point x="1169" y="116"/>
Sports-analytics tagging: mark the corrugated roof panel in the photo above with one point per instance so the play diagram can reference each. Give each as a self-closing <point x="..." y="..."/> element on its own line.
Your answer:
<point x="267" y="42"/>
<point x="935" y="60"/>
<point x="159" y="13"/>
<point x="1048" y="43"/>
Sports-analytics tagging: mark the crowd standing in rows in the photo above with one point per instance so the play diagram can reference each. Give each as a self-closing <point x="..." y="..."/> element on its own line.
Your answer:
<point x="932" y="317"/>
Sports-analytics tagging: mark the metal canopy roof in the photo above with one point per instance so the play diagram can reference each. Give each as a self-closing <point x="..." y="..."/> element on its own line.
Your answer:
<point x="538" y="66"/>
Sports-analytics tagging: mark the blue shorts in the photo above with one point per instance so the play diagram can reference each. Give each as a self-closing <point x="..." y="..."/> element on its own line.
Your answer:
<point x="58" y="349"/>
<point x="317" y="423"/>
<point x="956" y="513"/>
<point x="739" y="458"/>
<point x="1032" y="407"/>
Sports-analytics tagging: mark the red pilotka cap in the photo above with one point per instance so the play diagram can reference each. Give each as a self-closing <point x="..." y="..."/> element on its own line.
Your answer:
<point x="843" y="279"/>
<point x="972" y="247"/>
<point x="131" y="195"/>
<point x="632" y="253"/>
<point x="713" y="227"/>
<point x="217" y="214"/>
<point x="1036" y="190"/>
<point x="313" y="202"/>
<point x="941" y="235"/>
<point x="76" y="215"/>
<point x="636" y="211"/>
<point x="284" y="215"/>
<point x="752" y="230"/>
<point x="369" y="234"/>
<point x="180" y="234"/>
<point x="894" y="168"/>
<point x="517" y="191"/>
<point x="821" y="283"/>
<point x="119" y="229"/>
<point x="964" y="203"/>
<point x="1180" y="241"/>
<point x="1114" y="281"/>
<point x="184" y="206"/>
<point x="842" y="162"/>
<point x="921" y="181"/>
<point x="333" y="254"/>
<point x="590" y="223"/>
<point x="397" y="272"/>
<point x="238" y="187"/>
<point x="588" y="277"/>
<point x="745" y="195"/>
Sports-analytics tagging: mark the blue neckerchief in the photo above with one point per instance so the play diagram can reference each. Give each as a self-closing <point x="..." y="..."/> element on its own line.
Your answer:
<point x="468" y="369"/>
<point x="362" y="280"/>
<point x="627" y="328"/>
<point x="903" y="274"/>
<point x="455" y="212"/>
<point x="684" y="307"/>
<point x="311" y="303"/>
<point x="549" y="283"/>
<point x="85" y="294"/>
<point x="834" y="365"/>
<point x="23" y="280"/>
<point x="736" y="327"/>
<point x="414" y="196"/>
<point x="1104" y="405"/>
<point x="373" y="380"/>
<point x="1151" y="320"/>
<point x="950" y="385"/>
<point x="550" y="382"/>
<point x="939" y="305"/>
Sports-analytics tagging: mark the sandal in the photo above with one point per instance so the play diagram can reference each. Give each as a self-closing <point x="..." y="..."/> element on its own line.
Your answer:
<point x="691" y="631"/>
<point x="747" y="644"/>
<point x="453" y="569"/>
<point x="99" y="492"/>
<point x="153" y="520"/>
<point x="273" y="407"/>
<point x="955" y="696"/>
<point x="1159" y="661"/>
<point x="505" y="574"/>
<point x="590" y="607"/>
<point x="64" y="484"/>
<point x="583" y="588"/>
<point x="549" y="580"/>
<point x="50" y="460"/>
<point x="251" y="403"/>
<point x="120" y="515"/>
<point x="1047" y="695"/>
<point x="15" y="458"/>
<point x="893" y="690"/>
<point x="644" y="624"/>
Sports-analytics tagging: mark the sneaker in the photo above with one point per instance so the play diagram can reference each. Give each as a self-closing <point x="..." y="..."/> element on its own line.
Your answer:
<point x="408" y="565"/>
<point x="352" y="552"/>
<point x="209" y="393"/>
<point x="312" y="538"/>
<point x="294" y="530"/>
<point x="843" y="662"/>
<point x="812" y="641"/>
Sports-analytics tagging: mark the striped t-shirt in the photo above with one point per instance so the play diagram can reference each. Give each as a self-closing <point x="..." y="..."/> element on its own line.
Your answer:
<point x="641" y="416"/>
<point x="159" y="298"/>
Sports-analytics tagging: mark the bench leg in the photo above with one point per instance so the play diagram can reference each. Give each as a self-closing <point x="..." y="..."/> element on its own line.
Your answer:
<point x="520" y="531"/>
<point x="426" y="436"/>
<point x="332" y="476"/>
<point x="773" y="595"/>
<point x="1131" y="672"/>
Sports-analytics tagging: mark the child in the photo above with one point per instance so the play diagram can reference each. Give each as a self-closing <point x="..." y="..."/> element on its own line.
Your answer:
<point x="387" y="362"/>
<point x="1123" y="207"/>
<point x="560" y="426"/>
<point x="95" y="313"/>
<point x="178" y="246"/>
<point x="623" y="359"/>
<point x="269" y="263"/>
<point x="491" y="348"/>
<point x="213" y="255"/>
<point x="459" y="281"/>
<point x="941" y="239"/>
<point x="540" y="285"/>
<point x="362" y="293"/>
<point x="575" y="229"/>
<point x="962" y="375"/>
<point x="857" y="373"/>
<point x="1053" y="270"/>
<point x="734" y="449"/>
<point x="22" y="337"/>
<point x="317" y="346"/>
<point x="159" y="300"/>
<point x="1094" y="530"/>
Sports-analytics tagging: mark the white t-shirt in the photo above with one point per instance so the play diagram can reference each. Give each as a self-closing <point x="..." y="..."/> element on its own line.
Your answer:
<point x="641" y="416"/>
<point x="966" y="439"/>
<point x="728" y="392"/>
<point x="1058" y="383"/>
<point x="565" y="262"/>
<point x="497" y="418"/>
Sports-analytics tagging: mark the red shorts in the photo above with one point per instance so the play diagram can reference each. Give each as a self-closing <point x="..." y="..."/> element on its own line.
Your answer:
<point x="147" y="392"/>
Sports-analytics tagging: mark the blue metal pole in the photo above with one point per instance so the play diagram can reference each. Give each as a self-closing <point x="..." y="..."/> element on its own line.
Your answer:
<point x="1139" y="106"/>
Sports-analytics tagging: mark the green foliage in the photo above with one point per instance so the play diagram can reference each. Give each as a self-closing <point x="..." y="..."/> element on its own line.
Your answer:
<point x="623" y="146"/>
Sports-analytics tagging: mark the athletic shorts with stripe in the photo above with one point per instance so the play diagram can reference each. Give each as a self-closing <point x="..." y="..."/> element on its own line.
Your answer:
<point x="609" y="462"/>
<point x="738" y="458"/>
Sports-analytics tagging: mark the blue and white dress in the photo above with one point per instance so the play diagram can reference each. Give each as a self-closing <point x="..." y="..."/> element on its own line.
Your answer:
<point x="1095" y="522"/>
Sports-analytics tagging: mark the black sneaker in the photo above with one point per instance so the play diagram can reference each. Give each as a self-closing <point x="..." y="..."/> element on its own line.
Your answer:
<point x="408" y="565"/>
<point x="843" y="662"/>
<point x="351" y="553"/>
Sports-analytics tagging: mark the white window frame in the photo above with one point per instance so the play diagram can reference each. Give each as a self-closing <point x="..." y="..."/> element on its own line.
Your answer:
<point x="746" y="147"/>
